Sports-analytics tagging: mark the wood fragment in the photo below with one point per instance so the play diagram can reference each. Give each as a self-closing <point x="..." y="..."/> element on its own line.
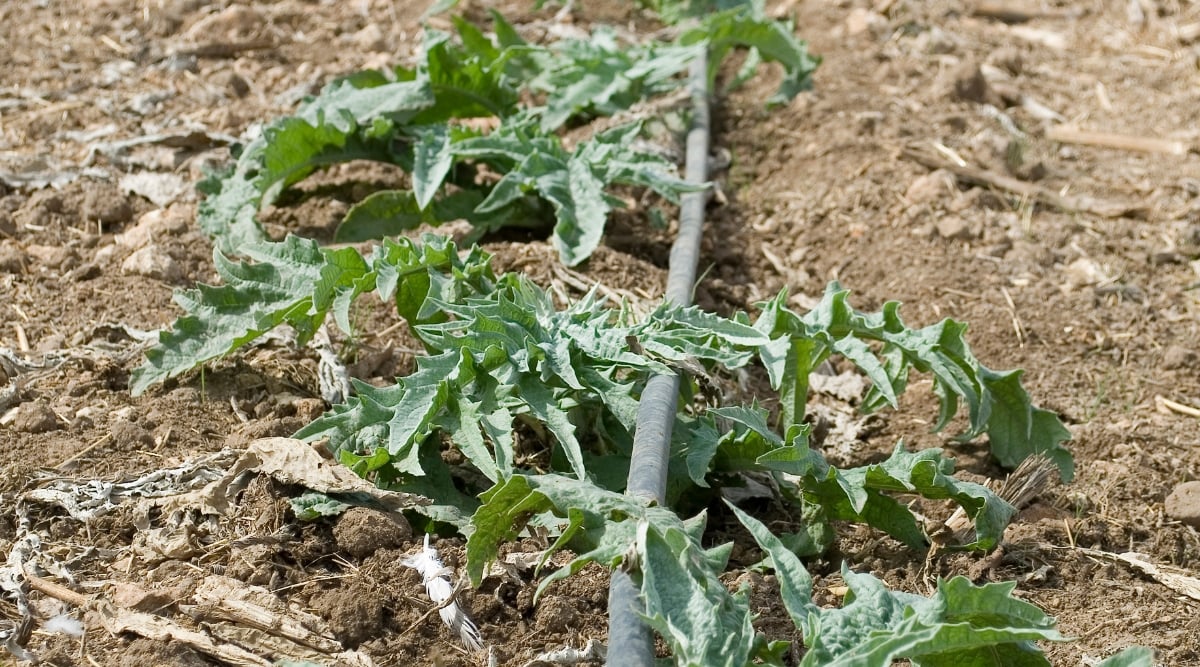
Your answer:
<point x="1188" y="33"/>
<point x="1030" y="191"/>
<point x="118" y="621"/>
<point x="1166" y="405"/>
<point x="228" y="599"/>
<point x="1016" y="321"/>
<point x="1007" y="12"/>
<point x="22" y="339"/>
<point x="225" y="49"/>
<point x="56" y="591"/>
<point x="1070" y="135"/>
<point x="1173" y="578"/>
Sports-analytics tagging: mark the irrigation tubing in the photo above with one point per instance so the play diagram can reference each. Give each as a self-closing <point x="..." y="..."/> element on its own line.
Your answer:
<point x="630" y="642"/>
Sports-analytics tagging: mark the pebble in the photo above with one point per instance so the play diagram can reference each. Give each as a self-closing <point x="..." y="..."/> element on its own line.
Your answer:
<point x="861" y="20"/>
<point x="1176" y="357"/>
<point x="954" y="228"/>
<point x="369" y="39"/>
<point x="232" y="24"/>
<point x="1183" y="504"/>
<point x="934" y="186"/>
<point x="12" y="260"/>
<point x="153" y="224"/>
<point x="152" y="262"/>
<point x="36" y="417"/>
<point x="132" y="596"/>
<point x="52" y="257"/>
<point x="130" y="437"/>
<point x="971" y="85"/>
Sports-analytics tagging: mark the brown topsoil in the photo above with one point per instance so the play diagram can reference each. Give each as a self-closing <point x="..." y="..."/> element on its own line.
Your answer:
<point x="1076" y="262"/>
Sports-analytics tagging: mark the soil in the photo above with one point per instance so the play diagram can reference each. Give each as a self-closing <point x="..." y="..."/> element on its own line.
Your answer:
<point x="1097" y="304"/>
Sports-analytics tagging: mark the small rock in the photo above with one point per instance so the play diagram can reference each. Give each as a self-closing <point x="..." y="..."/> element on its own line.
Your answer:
<point x="106" y="205"/>
<point x="161" y="188"/>
<point x="36" y="417"/>
<point x="234" y="23"/>
<point x="1176" y="357"/>
<point x="152" y="262"/>
<point x="861" y="20"/>
<point x="355" y="613"/>
<point x="1191" y="234"/>
<point x="12" y="260"/>
<point x="936" y="41"/>
<point x="1184" y="504"/>
<point x="1084" y="272"/>
<point x="153" y="224"/>
<point x="88" y="271"/>
<point x="932" y="187"/>
<point x="971" y="85"/>
<point x="52" y="257"/>
<point x="369" y="38"/>
<point x="50" y="202"/>
<point x="954" y="228"/>
<point x="132" y="596"/>
<point x="129" y="437"/>
<point x="232" y="82"/>
<point x="361" y="531"/>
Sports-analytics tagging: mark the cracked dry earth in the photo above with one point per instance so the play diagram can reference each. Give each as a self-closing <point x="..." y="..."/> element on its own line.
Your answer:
<point x="939" y="161"/>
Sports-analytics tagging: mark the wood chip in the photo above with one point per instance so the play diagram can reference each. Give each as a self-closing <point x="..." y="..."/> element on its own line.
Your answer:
<point x="1070" y="135"/>
<point x="1166" y="405"/>
<point x="1173" y="578"/>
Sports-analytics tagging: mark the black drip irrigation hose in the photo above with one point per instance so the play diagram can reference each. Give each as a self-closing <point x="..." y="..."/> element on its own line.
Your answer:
<point x="630" y="642"/>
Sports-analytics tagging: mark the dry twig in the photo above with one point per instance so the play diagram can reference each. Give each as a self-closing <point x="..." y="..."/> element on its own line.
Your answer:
<point x="1020" y="188"/>
<point x="1070" y="135"/>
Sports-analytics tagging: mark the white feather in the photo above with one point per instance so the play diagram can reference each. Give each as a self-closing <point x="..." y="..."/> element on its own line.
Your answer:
<point x="439" y="584"/>
<point x="64" y="624"/>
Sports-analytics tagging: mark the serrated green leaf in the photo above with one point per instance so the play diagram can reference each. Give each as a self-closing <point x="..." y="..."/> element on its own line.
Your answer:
<point x="962" y="624"/>
<point x="432" y="158"/>
<point x="381" y="214"/>
<point x="1134" y="656"/>
<point x="298" y="283"/>
<point x="348" y="104"/>
<point x="589" y="511"/>
<point x="1016" y="429"/>
<point x="746" y="27"/>
<point x="995" y="401"/>
<point x="686" y="602"/>
<point x="293" y="281"/>
<point x="860" y="494"/>
<point x="313" y="505"/>
<point x="795" y="583"/>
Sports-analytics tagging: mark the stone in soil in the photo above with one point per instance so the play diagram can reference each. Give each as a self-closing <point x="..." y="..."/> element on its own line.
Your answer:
<point x="36" y="417"/>
<point x="128" y="436"/>
<point x="12" y="260"/>
<point x="1183" y="504"/>
<point x="152" y="262"/>
<point x="954" y="228"/>
<point x="1176" y="357"/>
